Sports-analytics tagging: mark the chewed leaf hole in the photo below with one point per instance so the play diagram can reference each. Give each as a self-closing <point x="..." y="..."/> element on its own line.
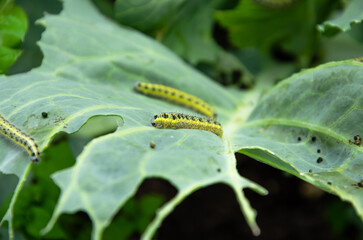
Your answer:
<point x="95" y="127"/>
<point x="151" y="196"/>
<point x="98" y="126"/>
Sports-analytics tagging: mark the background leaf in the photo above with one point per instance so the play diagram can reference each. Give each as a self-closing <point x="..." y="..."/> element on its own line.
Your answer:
<point x="173" y="23"/>
<point x="13" y="24"/>
<point x="147" y="16"/>
<point x="352" y="14"/>
<point x="341" y="47"/>
<point x="291" y="28"/>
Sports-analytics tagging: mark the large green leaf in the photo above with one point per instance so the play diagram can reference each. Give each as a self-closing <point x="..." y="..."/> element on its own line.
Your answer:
<point x="352" y="14"/>
<point x="93" y="72"/>
<point x="13" y="24"/>
<point x="314" y="114"/>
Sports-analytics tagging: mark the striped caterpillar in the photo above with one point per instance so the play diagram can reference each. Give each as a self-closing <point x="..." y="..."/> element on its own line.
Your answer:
<point x="19" y="137"/>
<point x="176" y="96"/>
<point x="183" y="121"/>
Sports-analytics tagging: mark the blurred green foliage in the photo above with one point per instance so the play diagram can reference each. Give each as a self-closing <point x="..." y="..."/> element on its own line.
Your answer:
<point x="40" y="194"/>
<point x="352" y="15"/>
<point x="291" y="29"/>
<point x="13" y="24"/>
<point x="134" y="217"/>
<point x="342" y="219"/>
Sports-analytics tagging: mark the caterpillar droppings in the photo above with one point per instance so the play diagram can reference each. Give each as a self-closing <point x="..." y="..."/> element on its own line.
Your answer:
<point x="44" y="114"/>
<point x="176" y="96"/>
<point x="183" y="121"/>
<point x="19" y="137"/>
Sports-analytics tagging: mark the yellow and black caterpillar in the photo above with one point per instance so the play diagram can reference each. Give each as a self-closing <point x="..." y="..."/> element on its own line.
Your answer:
<point x="183" y="121"/>
<point x="20" y="138"/>
<point x="176" y="96"/>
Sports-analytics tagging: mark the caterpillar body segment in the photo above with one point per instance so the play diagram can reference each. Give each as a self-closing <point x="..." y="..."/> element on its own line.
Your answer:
<point x="176" y="96"/>
<point x="183" y="121"/>
<point x="20" y="138"/>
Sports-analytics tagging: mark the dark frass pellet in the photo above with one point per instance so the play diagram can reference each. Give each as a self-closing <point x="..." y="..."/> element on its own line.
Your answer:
<point x="44" y="114"/>
<point x="357" y="140"/>
<point x="319" y="160"/>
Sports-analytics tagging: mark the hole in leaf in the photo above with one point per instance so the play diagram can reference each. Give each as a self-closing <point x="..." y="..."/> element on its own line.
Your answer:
<point x="95" y="127"/>
<point x="75" y="226"/>
<point x="209" y="213"/>
<point x="135" y="215"/>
